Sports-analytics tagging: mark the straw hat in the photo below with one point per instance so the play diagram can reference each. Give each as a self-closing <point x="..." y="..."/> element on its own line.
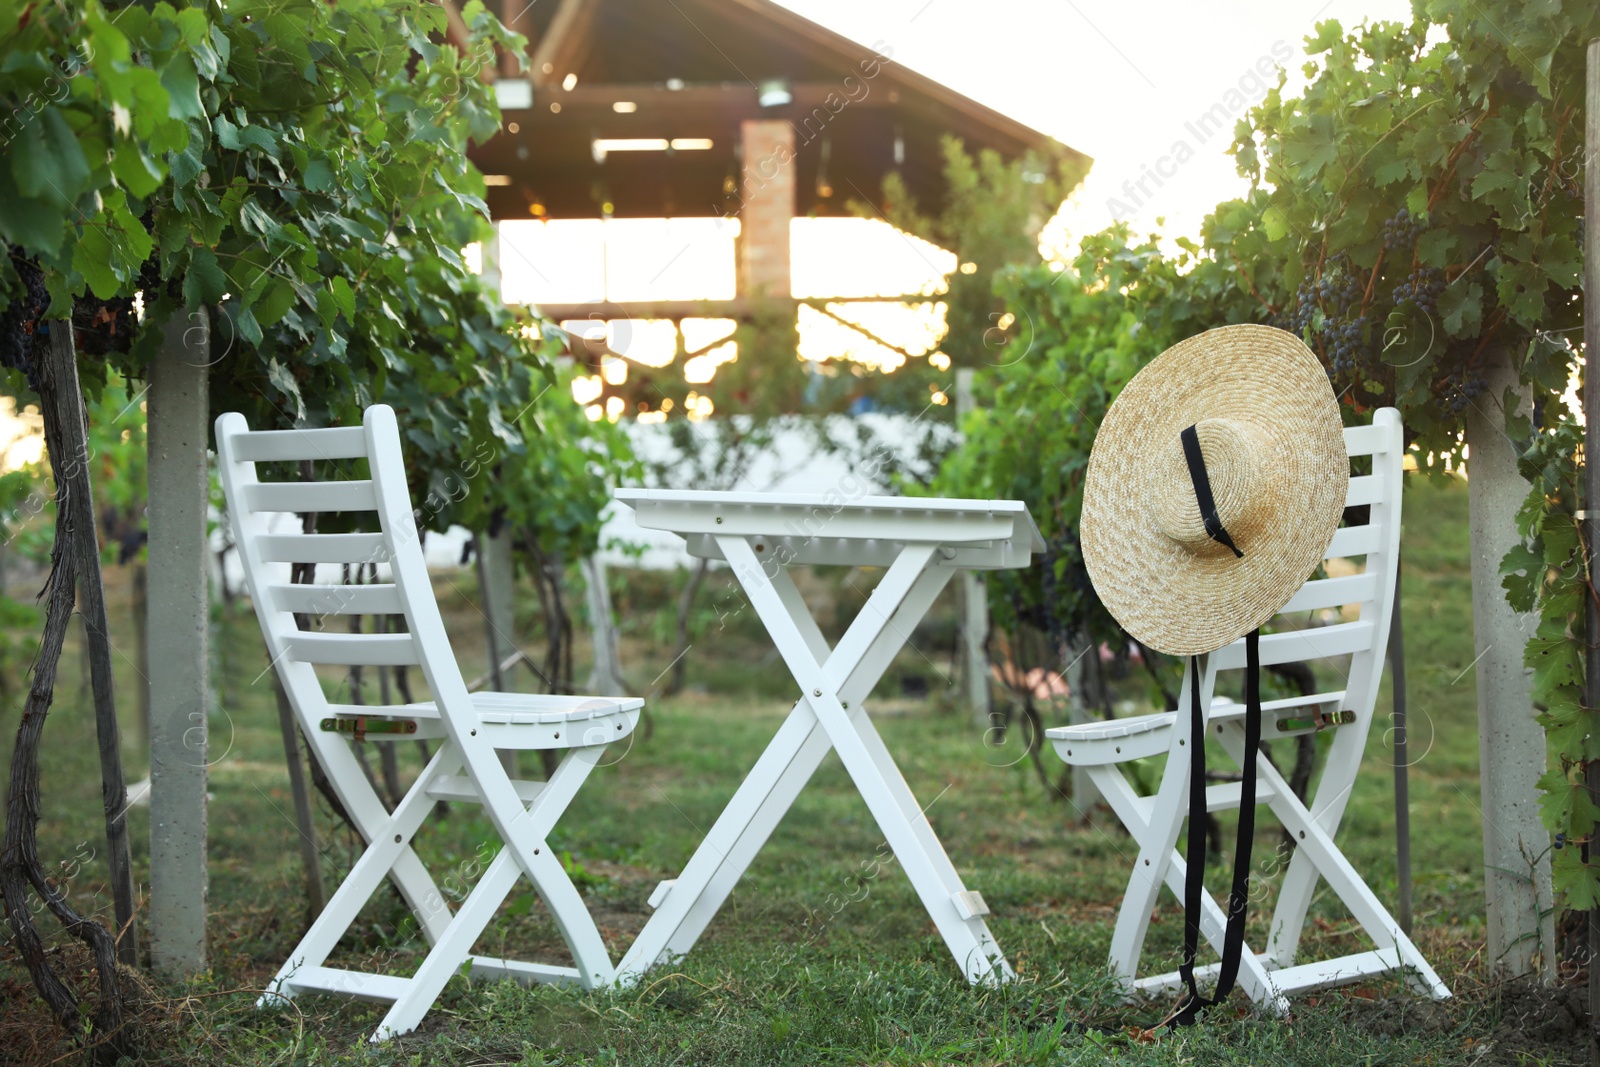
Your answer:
<point x="1272" y="443"/>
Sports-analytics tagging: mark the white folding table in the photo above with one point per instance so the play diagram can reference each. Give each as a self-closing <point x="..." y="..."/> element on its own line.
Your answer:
<point x="921" y="543"/>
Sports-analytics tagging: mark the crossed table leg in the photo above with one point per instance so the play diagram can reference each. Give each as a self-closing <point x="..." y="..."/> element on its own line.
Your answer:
<point x="829" y="715"/>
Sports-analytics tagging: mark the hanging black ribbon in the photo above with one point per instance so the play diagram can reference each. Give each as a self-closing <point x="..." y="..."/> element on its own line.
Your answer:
<point x="1195" y="858"/>
<point x="1202" y="491"/>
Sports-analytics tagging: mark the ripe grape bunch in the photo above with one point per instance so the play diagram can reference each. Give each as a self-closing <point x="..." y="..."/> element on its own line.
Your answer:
<point x="1305" y="305"/>
<point x="1334" y="292"/>
<point x="1462" y="390"/>
<point x="18" y="321"/>
<point x="1403" y="230"/>
<point x="1345" y="343"/>
<point x="1421" y="290"/>
<point x="1337" y="293"/>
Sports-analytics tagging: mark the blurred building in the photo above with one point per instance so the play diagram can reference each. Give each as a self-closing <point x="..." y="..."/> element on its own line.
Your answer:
<point x="656" y="154"/>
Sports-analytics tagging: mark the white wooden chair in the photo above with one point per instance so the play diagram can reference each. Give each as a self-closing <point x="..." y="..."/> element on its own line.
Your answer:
<point x="470" y="727"/>
<point x="1154" y="821"/>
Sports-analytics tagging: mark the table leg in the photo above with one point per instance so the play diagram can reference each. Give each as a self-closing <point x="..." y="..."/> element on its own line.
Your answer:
<point x="791" y="759"/>
<point x="788" y="763"/>
<point x="938" y="859"/>
<point x="738" y="834"/>
<point x="880" y="784"/>
<point x="886" y="794"/>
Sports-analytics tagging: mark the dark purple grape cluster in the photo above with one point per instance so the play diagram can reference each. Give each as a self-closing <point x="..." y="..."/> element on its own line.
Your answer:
<point x="1333" y="292"/>
<point x="1337" y="289"/>
<point x="1403" y="230"/>
<point x="1345" y="343"/>
<point x="1305" y="305"/>
<point x="1337" y="293"/>
<point x="20" y="318"/>
<point x="1462" y="389"/>
<point x="150" y="273"/>
<point x="1421" y="290"/>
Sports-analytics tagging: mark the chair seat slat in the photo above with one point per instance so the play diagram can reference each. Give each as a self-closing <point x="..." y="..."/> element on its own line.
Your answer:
<point x="1222" y="710"/>
<point x="323" y="548"/>
<point x="1333" y="592"/>
<point x="1230" y="708"/>
<point x="355" y="650"/>
<point x="384" y="711"/>
<point x="337" y="599"/>
<point x="353" y="495"/>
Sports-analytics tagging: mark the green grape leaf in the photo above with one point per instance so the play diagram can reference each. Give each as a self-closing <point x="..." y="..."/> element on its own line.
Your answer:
<point x="1576" y="881"/>
<point x="204" y="282"/>
<point x="343" y="297"/>
<point x="179" y="79"/>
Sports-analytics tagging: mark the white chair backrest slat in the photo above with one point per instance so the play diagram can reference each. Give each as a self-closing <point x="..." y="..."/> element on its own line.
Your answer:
<point x="362" y="650"/>
<point x="1353" y="541"/>
<point x="382" y="599"/>
<point x="1364" y="489"/>
<point x="1329" y="696"/>
<point x="1333" y="593"/>
<point x="337" y="442"/>
<point x="1316" y="642"/>
<point x="311" y="496"/>
<point x="1372" y="439"/>
<point x="349" y="548"/>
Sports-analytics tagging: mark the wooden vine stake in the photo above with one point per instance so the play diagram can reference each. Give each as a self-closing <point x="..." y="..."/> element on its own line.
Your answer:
<point x="304" y="822"/>
<point x="74" y="556"/>
<point x="92" y="603"/>
<point x="1591" y="472"/>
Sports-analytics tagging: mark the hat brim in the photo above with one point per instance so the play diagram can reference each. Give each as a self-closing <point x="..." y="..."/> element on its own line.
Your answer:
<point x="1164" y="595"/>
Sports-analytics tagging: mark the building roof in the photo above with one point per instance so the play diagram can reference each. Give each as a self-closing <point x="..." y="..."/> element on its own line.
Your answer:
<point x="692" y="71"/>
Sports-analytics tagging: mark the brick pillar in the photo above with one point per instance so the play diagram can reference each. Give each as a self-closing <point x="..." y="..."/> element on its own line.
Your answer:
<point x="766" y="206"/>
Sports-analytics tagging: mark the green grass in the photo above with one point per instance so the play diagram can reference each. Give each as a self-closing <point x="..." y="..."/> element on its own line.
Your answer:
<point x="823" y="953"/>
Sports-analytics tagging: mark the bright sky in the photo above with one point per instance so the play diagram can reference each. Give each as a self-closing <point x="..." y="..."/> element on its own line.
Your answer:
<point x="1117" y="80"/>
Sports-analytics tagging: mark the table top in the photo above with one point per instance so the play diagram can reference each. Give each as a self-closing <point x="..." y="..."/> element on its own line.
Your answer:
<point x="837" y="528"/>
